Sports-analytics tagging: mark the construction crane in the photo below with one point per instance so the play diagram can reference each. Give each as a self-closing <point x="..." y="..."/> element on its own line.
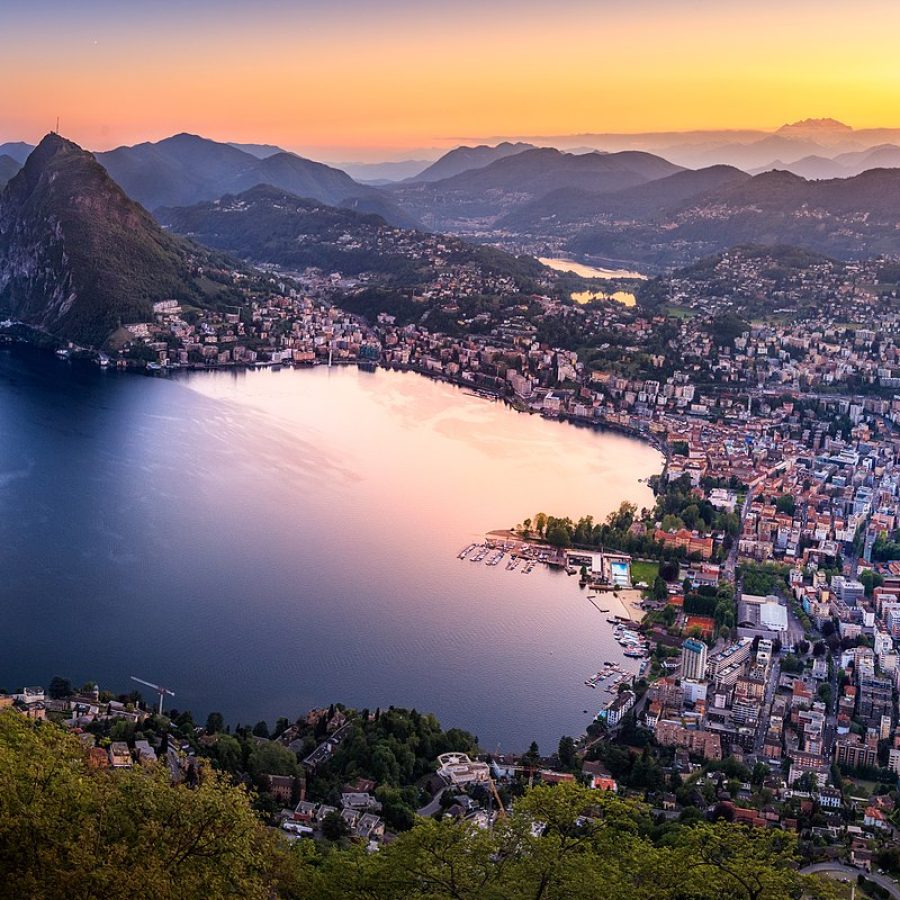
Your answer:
<point x="158" y="688"/>
<point x="501" y="809"/>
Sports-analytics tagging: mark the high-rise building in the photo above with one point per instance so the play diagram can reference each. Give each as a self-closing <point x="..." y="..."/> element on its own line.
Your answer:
<point x="693" y="659"/>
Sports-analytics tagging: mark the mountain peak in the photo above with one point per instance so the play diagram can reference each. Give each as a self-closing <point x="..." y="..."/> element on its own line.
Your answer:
<point x="815" y="127"/>
<point x="77" y="256"/>
<point x="49" y="146"/>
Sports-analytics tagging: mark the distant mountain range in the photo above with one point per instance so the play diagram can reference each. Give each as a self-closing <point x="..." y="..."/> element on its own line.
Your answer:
<point x="78" y="258"/>
<point x="745" y="148"/>
<point x="463" y="159"/>
<point x="260" y="151"/>
<point x="79" y="254"/>
<point x="381" y="173"/>
<point x="186" y="169"/>
<point x="8" y="168"/>
<point x="844" y="165"/>
<point x="476" y="198"/>
<point x="18" y="150"/>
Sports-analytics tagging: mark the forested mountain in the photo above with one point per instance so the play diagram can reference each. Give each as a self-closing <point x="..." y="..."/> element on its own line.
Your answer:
<point x="78" y="257"/>
<point x="847" y="218"/>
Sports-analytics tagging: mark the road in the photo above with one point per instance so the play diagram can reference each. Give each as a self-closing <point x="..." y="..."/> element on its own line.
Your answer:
<point x="731" y="560"/>
<point x="431" y="808"/>
<point x="851" y="873"/>
<point x="762" y="726"/>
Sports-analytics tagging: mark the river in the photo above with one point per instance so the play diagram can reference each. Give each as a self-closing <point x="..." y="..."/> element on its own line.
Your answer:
<point x="266" y="541"/>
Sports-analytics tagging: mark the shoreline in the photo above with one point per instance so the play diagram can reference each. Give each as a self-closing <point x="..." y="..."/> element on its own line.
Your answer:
<point x="91" y="356"/>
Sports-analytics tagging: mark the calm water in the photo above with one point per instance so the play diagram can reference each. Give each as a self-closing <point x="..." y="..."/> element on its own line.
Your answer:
<point x="569" y="265"/>
<point x="263" y="542"/>
<point x="626" y="298"/>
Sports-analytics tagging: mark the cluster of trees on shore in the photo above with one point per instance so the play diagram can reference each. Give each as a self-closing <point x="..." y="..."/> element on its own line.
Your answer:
<point x="613" y="534"/>
<point x="68" y="831"/>
<point x="677" y="506"/>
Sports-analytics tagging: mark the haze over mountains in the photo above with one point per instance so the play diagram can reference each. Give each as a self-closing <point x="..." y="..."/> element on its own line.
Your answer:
<point x="78" y="254"/>
<point x="746" y="149"/>
<point x="186" y="169"/>
<point x="476" y="197"/>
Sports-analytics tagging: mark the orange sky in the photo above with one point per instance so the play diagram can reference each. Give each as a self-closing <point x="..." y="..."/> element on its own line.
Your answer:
<point x="345" y="77"/>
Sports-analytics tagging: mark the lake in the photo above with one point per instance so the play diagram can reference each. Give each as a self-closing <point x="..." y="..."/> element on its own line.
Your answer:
<point x="266" y="541"/>
<point x="626" y="298"/>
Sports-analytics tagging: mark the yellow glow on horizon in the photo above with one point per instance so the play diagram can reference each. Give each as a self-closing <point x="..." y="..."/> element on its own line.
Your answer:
<point x="421" y="82"/>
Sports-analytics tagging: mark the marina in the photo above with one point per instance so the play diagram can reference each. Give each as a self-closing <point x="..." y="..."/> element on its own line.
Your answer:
<point x="492" y="553"/>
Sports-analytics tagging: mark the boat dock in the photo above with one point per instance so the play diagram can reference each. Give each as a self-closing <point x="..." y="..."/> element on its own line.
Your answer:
<point x="522" y="556"/>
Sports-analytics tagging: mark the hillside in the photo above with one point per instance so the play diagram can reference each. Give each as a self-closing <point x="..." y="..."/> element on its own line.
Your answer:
<point x="267" y="224"/>
<point x="186" y="169"/>
<point x="77" y="257"/>
<point x="847" y="218"/>
<point x="69" y="829"/>
<point x="574" y="207"/>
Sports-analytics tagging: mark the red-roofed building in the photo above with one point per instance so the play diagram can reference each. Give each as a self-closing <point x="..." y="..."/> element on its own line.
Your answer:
<point x="687" y="540"/>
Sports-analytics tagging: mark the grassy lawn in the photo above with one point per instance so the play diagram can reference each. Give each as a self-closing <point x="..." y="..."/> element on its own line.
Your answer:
<point x="862" y="788"/>
<point x="644" y="571"/>
<point x="679" y="312"/>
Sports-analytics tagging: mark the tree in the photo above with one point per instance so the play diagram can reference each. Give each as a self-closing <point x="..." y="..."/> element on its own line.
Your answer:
<point x="751" y="863"/>
<point x="566" y="752"/>
<point x="69" y="831"/>
<point x="334" y="827"/>
<point x="540" y="523"/>
<point x="215" y="722"/>
<point x="786" y="504"/>
<point x="558" y="535"/>
<point x="669" y="570"/>
<point x="271" y="759"/>
<point x="59" y="688"/>
<point x="261" y="729"/>
<point x="281" y="725"/>
<point x="660" y="588"/>
<point x="533" y="756"/>
<point x="228" y="754"/>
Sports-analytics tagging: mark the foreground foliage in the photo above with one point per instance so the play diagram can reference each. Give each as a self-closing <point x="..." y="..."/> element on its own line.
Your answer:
<point x="69" y="831"/>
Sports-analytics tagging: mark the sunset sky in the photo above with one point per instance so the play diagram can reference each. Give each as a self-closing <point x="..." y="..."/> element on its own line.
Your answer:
<point x="354" y="79"/>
